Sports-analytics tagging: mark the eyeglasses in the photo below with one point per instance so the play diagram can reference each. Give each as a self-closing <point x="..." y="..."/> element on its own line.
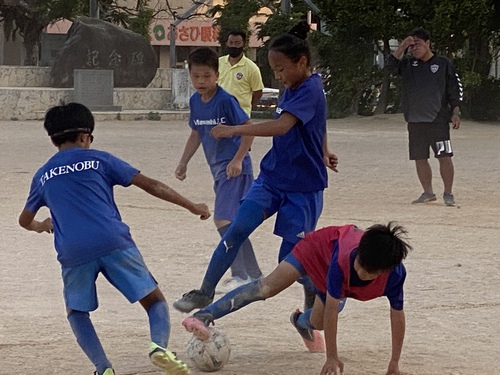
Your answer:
<point x="91" y="137"/>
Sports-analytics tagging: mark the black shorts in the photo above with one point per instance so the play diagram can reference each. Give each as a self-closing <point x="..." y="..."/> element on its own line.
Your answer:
<point x="425" y="135"/>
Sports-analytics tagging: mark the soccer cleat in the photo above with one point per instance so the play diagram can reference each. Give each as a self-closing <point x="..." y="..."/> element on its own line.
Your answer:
<point x="232" y="283"/>
<point x="108" y="371"/>
<point x="198" y="326"/>
<point x="194" y="299"/>
<point x="424" y="198"/>
<point x="448" y="198"/>
<point x="167" y="361"/>
<point x="311" y="337"/>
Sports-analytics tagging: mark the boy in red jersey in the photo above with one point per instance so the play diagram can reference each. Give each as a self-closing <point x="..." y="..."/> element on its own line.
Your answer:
<point x="341" y="262"/>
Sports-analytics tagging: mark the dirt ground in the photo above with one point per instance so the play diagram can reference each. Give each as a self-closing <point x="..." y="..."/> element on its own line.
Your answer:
<point x="452" y="298"/>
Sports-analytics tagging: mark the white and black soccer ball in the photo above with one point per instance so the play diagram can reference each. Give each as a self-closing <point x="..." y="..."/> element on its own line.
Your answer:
<point x="212" y="354"/>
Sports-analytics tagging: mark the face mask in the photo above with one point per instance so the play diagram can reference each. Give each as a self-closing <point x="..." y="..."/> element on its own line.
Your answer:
<point x="234" y="51"/>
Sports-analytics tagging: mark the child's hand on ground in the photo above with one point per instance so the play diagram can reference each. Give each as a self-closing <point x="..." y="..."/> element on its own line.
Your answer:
<point x="333" y="366"/>
<point x="221" y="131"/>
<point x="393" y="369"/>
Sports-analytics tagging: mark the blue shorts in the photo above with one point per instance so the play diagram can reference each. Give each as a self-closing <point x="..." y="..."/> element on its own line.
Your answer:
<point x="124" y="269"/>
<point x="228" y="195"/>
<point x="297" y="213"/>
<point x="304" y="278"/>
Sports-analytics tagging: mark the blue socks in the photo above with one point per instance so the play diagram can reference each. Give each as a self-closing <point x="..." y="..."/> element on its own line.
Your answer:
<point x="250" y="215"/>
<point x="304" y="320"/>
<point x="159" y="323"/>
<point x="234" y="300"/>
<point x="86" y="337"/>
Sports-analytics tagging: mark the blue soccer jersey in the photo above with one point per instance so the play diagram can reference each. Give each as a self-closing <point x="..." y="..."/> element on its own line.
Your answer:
<point x="295" y="162"/>
<point x="222" y="109"/>
<point x="76" y="185"/>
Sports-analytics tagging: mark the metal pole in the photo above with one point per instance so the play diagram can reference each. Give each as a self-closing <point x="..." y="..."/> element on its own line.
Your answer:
<point x="173" y="25"/>
<point x="286" y="8"/>
<point x="93" y="9"/>
<point x="173" y="57"/>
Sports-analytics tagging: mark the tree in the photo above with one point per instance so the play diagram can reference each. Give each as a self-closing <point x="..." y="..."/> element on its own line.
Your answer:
<point x="234" y="15"/>
<point x="19" y="17"/>
<point x="28" y="18"/>
<point x="465" y="31"/>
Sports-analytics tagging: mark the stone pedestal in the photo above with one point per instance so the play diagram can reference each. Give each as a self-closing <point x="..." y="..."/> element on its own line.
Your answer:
<point x="94" y="89"/>
<point x="181" y="89"/>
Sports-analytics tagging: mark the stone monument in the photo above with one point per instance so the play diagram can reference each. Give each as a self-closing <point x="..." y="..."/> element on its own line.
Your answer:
<point x="94" y="88"/>
<point x="96" y="44"/>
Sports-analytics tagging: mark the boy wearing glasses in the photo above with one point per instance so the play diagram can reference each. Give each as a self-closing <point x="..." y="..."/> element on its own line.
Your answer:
<point x="76" y="184"/>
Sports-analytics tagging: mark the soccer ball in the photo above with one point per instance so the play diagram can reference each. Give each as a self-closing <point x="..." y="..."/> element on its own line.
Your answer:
<point x="212" y="354"/>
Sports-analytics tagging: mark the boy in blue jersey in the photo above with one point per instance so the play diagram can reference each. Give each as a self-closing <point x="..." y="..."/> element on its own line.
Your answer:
<point x="228" y="158"/>
<point x="341" y="262"/>
<point x="292" y="174"/>
<point x="76" y="184"/>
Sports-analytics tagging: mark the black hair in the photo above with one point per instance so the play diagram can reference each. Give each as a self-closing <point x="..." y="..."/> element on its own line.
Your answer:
<point x="204" y="56"/>
<point x="65" y="122"/>
<point x="382" y="247"/>
<point x="293" y="44"/>
<point x="240" y="33"/>
<point x="420" y="33"/>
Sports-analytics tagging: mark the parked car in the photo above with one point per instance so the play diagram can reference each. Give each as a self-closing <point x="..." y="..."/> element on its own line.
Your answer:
<point x="269" y="99"/>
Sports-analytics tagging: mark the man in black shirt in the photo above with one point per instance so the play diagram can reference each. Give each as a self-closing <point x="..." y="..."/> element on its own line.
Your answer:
<point x="432" y="93"/>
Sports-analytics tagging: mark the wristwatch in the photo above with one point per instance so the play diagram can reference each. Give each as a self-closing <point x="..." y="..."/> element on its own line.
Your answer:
<point x="459" y="113"/>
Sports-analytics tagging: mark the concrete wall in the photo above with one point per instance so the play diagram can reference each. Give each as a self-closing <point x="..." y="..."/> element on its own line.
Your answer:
<point x="25" y="93"/>
<point x="34" y="76"/>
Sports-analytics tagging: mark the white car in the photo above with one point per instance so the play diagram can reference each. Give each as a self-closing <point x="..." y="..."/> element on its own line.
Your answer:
<point x="269" y="99"/>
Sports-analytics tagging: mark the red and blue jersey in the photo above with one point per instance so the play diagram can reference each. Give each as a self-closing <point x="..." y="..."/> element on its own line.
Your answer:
<point x="327" y="256"/>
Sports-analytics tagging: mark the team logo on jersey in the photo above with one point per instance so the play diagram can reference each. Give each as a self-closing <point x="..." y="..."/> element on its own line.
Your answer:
<point x="239" y="75"/>
<point x="301" y="234"/>
<point x="434" y="68"/>
<point x="414" y="63"/>
<point x="210" y="121"/>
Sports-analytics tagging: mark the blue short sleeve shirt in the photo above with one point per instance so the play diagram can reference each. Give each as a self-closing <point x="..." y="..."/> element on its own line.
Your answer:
<point x="76" y="185"/>
<point x="222" y="109"/>
<point x="295" y="161"/>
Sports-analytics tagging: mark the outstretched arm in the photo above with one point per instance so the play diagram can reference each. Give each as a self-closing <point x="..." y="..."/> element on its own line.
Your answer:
<point x="162" y="191"/>
<point x="264" y="129"/>
<point x="28" y="222"/>
<point x="330" y="321"/>
<point x="192" y="144"/>
<point x="398" y="335"/>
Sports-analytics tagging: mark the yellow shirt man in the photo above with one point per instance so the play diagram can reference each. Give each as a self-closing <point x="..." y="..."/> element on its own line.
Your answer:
<point x="239" y="75"/>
